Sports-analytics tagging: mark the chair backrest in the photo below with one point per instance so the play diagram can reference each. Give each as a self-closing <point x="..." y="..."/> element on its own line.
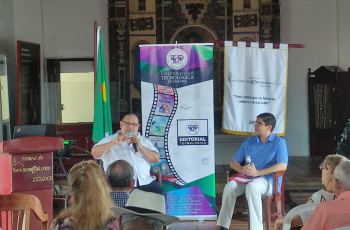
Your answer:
<point x="304" y="211"/>
<point x="15" y="211"/>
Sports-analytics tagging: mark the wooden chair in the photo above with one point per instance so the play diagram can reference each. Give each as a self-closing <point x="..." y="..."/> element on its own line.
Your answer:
<point x="273" y="205"/>
<point x="15" y="211"/>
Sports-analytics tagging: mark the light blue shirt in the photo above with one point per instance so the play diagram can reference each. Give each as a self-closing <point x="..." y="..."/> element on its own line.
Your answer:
<point x="264" y="155"/>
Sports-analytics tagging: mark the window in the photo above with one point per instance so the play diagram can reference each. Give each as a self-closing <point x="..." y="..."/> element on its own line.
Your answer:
<point x="77" y="97"/>
<point x="70" y="90"/>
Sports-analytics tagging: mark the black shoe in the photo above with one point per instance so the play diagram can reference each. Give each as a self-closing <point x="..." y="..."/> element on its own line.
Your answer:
<point x="222" y="228"/>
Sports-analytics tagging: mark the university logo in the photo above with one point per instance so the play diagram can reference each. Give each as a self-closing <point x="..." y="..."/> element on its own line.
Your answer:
<point x="176" y="58"/>
<point x="192" y="128"/>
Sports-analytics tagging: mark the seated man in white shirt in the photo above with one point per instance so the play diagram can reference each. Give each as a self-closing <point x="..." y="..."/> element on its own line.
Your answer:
<point x="127" y="144"/>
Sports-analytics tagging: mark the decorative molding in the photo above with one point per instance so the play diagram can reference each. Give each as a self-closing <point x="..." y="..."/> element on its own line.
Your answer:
<point x="194" y="9"/>
<point x="266" y="33"/>
<point x="141" y="24"/>
<point x="245" y="20"/>
<point x="142" y="5"/>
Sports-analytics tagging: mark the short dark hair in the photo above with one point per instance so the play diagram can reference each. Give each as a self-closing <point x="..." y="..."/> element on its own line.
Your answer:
<point x="119" y="174"/>
<point x="268" y="119"/>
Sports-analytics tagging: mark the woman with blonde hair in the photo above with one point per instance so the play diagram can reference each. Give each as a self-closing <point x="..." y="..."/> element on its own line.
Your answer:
<point x="90" y="203"/>
<point x="327" y="167"/>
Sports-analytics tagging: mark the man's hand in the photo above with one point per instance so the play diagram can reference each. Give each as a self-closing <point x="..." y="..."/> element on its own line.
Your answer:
<point x="119" y="139"/>
<point x="98" y="150"/>
<point x="250" y="170"/>
<point x="136" y="141"/>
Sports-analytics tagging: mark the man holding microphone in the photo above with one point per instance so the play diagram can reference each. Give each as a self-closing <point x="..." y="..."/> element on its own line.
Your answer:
<point x="264" y="154"/>
<point x="127" y="144"/>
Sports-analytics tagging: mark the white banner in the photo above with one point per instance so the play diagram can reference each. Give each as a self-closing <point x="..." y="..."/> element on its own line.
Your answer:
<point x="255" y="83"/>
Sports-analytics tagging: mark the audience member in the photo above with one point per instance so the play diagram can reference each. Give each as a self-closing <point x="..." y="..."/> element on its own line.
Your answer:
<point x="334" y="214"/>
<point x="89" y="206"/>
<point x="120" y="176"/>
<point x="268" y="154"/>
<point x="144" y="210"/>
<point x="128" y="144"/>
<point x="327" y="166"/>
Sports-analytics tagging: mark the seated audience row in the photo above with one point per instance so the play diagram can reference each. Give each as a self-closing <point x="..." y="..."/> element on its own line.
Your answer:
<point x="90" y="205"/>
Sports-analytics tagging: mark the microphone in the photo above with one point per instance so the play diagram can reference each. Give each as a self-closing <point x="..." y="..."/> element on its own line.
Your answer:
<point x="131" y="133"/>
<point x="248" y="161"/>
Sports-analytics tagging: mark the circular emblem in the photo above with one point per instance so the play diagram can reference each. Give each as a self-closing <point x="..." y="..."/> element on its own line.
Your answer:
<point x="192" y="128"/>
<point x="176" y="58"/>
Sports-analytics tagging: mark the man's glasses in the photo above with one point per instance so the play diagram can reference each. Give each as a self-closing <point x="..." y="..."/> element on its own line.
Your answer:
<point x="323" y="167"/>
<point x="258" y="123"/>
<point x="130" y="124"/>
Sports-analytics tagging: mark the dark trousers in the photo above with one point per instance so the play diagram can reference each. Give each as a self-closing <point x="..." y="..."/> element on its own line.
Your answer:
<point x="153" y="187"/>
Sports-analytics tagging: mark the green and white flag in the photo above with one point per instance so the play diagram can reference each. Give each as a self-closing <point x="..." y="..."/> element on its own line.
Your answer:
<point x="102" y="114"/>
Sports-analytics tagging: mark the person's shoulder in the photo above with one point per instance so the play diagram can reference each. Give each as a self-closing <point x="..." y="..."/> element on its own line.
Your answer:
<point x="107" y="139"/>
<point x="112" y="224"/>
<point x="120" y="193"/>
<point x="325" y="205"/>
<point x="321" y="196"/>
<point x="251" y="139"/>
<point x="62" y="224"/>
<point x="277" y="139"/>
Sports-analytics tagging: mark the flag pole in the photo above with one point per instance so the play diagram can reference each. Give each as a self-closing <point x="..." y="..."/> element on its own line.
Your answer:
<point x="102" y="125"/>
<point x="95" y="51"/>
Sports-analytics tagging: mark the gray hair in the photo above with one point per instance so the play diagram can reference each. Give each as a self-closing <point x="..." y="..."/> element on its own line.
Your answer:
<point x="130" y="220"/>
<point x="342" y="174"/>
<point x="119" y="174"/>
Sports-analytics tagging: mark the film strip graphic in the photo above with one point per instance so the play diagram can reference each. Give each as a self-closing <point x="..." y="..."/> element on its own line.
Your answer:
<point x="170" y="115"/>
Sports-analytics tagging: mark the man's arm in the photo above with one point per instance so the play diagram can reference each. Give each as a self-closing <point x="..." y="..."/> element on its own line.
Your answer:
<point x="236" y="166"/>
<point x="151" y="156"/>
<point x="272" y="169"/>
<point x="99" y="150"/>
<point x="250" y="170"/>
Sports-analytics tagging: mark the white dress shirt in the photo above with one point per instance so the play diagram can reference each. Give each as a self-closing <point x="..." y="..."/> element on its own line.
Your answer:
<point x="126" y="152"/>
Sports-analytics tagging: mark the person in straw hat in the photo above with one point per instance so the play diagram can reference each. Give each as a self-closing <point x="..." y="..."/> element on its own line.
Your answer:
<point x="144" y="210"/>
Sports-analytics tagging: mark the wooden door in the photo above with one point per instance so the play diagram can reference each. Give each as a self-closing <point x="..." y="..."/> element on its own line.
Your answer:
<point x="322" y="110"/>
<point x="28" y="83"/>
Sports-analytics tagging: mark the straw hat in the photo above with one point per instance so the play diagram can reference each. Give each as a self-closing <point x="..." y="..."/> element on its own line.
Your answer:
<point x="147" y="204"/>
